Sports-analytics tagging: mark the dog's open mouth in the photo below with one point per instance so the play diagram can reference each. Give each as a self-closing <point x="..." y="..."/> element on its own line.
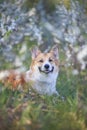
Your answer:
<point x="46" y="71"/>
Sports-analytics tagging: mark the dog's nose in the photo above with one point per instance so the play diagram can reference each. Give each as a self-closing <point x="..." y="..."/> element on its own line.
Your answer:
<point x="46" y="66"/>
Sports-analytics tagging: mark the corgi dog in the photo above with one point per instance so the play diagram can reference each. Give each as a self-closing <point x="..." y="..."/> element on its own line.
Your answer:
<point x="43" y="72"/>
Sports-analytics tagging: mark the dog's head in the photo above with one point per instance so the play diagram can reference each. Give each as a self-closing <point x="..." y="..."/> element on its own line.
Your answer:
<point x="45" y="63"/>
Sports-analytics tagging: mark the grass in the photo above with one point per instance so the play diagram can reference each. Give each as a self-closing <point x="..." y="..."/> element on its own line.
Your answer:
<point x="39" y="112"/>
<point x="24" y="111"/>
<point x="29" y="111"/>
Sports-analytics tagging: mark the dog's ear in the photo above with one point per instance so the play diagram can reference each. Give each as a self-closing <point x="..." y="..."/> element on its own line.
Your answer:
<point x="35" y="52"/>
<point x="55" y="51"/>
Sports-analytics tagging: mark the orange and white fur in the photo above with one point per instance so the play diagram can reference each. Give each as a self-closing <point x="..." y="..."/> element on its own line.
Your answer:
<point x="43" y="72"/>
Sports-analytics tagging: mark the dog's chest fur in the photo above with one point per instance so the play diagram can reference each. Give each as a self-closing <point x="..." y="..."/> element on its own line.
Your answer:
<point x="42" y="84"/>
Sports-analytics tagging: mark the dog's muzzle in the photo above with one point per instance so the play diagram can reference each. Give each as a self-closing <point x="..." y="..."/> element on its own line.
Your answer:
<point x="46" y="71"/>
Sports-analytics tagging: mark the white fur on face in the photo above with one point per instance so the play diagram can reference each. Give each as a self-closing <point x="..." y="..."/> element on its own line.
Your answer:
<point x="45" y="77"/>
<point x="46" y="63"/>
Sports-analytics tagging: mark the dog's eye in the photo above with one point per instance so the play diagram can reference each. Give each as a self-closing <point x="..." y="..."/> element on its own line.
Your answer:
<point x="41" y="61"/>
<point x="50" y="60"/>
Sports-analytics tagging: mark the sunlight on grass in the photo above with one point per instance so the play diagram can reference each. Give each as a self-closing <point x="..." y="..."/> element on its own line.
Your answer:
<point x="40" y="112"/>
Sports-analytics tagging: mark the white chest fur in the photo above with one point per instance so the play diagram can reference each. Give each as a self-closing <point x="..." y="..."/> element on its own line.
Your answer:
<point x="42" y="83"/>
